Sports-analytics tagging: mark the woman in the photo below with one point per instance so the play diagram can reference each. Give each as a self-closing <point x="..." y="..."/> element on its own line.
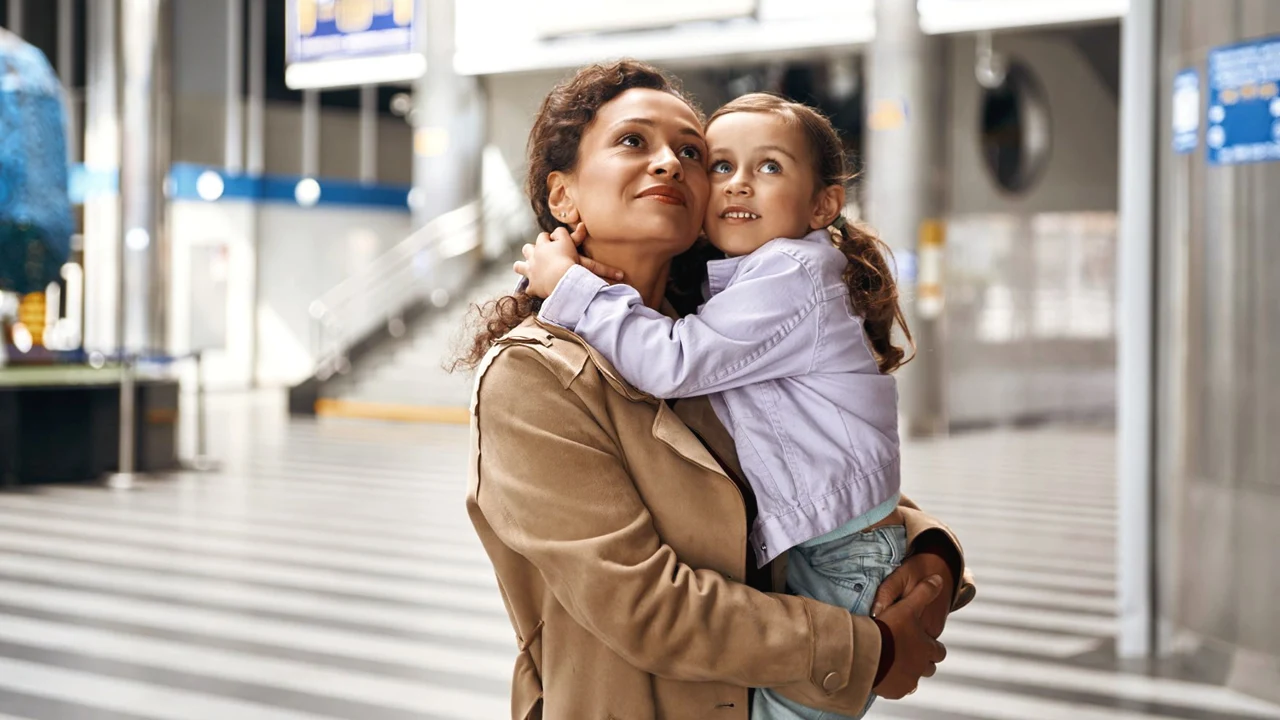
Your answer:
<point x="617" y="523"/>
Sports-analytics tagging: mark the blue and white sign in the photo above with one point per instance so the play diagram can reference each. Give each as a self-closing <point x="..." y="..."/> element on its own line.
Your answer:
<point x="1244" y="103"/>
<point x="331" y="29"/>
<point x="1186" y="111"/>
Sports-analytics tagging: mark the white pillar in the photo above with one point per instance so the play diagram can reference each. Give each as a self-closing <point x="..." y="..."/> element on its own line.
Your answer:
<point x="102" y="163"/>
<point x="1136" y="333"/>
<point x="369" y="134"/>
<point x="233" y="145"/>
<point x="142" y="273"/>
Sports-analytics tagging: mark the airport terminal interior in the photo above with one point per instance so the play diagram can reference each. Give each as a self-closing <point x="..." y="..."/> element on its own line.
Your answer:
<point x="234" y="459"/>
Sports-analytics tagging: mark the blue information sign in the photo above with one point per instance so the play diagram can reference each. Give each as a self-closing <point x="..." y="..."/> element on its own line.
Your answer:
<point x="1186" y="111"/>
<point x="1244" y="103"/>
<point x="334" y="29"/>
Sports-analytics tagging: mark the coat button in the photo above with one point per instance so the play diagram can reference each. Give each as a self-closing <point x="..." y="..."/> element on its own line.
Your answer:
<point x="831" y="682"/>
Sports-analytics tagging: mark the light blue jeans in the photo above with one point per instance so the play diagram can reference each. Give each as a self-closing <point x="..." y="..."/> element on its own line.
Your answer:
<point x="844" y="572"/>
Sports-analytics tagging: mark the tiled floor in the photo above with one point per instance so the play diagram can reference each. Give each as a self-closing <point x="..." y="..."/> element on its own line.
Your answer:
<point x="329" y="571"/>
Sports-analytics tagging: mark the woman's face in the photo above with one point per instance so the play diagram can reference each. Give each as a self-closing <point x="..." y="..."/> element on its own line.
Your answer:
<point x="641" y="174"/>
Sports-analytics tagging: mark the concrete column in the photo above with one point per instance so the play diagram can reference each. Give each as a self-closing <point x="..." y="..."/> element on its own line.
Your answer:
<point x="310" y="133"/>
<point x="102" y="163"/>
<point x="66" y="71"/>
<point x="1136" y="559"/>
<point x="256" y="115"/>
<point x="903" y="181"/>
<point x="369" y="134"/>
<point x="233" y="146"/>
<point x="13" y="18"/>
<point x="448" y="121"/>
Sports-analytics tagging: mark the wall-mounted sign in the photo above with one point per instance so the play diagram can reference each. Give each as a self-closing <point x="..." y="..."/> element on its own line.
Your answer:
<point x="335" y="43"/>
<point x="1244" y="103"/>
<point x="1186" y="111"/>
<point x="565" y="17"/>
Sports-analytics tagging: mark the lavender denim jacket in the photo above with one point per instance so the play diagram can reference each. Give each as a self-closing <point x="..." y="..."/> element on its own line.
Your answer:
<point x="788" y="370"/>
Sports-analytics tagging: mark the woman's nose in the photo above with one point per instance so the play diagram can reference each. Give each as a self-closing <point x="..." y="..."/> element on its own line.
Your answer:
<point x="666" y="163"/>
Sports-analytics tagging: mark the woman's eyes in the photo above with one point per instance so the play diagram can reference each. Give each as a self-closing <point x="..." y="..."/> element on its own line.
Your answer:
<point x="688" y="152"/>
<point x="722" y="167"/>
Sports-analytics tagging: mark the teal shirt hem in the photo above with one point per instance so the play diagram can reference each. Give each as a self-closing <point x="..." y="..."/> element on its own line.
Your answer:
<point x="858" y="524"/>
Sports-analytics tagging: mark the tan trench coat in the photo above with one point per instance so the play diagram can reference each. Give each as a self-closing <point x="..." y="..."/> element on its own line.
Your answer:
<point x="619" y="545"/>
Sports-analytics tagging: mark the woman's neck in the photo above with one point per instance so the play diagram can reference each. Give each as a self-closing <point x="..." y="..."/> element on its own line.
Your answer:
<point x="642" y="269"/>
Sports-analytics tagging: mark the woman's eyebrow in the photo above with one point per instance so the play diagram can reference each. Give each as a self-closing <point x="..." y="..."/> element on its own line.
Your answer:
<point x="650" y="123"/>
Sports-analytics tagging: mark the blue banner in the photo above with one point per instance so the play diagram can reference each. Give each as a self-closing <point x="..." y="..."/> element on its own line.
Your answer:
<point x="333" y="29"/>
<point x="1244" y="103"/>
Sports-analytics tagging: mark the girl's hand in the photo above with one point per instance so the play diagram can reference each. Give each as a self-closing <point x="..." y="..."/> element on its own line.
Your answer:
<point x="547" y="261"/>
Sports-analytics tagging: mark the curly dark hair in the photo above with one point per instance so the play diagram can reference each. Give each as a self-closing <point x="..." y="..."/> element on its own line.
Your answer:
<point x="566" y="113"/>
<point x="873" y="291"/>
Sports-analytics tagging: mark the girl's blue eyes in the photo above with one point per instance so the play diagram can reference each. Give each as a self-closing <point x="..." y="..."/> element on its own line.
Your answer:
<point x="723" y="167"/>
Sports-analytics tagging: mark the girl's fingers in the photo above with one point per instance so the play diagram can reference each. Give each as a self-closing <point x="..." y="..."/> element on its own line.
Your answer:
<point x="605" y="271"/>
<point x="526" y="250"/>
<point x="579" y="233"/>
<point x="521" y="268"/>
<point x="560" y="234"/>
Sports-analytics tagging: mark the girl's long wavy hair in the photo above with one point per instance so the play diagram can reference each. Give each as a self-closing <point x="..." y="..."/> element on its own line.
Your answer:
<point x="873" y="292"/>
<point x="566" y="113"/>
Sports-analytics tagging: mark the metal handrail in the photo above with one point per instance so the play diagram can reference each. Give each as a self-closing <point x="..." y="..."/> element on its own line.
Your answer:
<point x="402" y="277"/>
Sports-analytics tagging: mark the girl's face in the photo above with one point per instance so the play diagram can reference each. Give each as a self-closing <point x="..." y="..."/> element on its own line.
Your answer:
<point x="762" y="182"/>
<point x="641" y="174"/>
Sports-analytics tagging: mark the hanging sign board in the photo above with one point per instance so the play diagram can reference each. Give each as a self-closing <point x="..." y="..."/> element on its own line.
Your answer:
<point x="1244" y="103"/>
<point x="342" y="43"/>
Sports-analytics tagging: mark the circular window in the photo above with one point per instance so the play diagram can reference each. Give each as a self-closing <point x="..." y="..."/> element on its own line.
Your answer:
<point x="1015" y="129"/>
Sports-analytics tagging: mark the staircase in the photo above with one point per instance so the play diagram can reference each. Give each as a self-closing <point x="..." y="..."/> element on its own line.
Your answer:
<point x="405" y="379"/>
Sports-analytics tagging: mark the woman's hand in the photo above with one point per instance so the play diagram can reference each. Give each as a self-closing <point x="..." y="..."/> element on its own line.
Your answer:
<point x="916" y="653"/>
<point x="547" y="261"/>
<point x="906" y="578"/>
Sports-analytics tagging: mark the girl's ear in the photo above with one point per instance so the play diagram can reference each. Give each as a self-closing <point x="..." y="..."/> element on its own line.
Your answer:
<point x="827" y="206"/>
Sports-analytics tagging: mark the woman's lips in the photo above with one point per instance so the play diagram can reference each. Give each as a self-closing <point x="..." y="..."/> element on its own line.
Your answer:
<point x="665" y="194"/>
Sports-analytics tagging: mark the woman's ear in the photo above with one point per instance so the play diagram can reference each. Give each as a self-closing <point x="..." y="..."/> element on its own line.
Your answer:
<point x="560" y="198"/>
<point x="827" y="206"/>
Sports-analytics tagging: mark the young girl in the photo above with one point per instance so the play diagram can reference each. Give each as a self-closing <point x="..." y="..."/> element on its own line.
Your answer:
<point x="793" y="345"/>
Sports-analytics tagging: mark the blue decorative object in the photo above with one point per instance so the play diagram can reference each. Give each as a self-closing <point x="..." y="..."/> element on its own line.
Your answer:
<point x="35" y="214"/>
<point x="1244" y="103"/>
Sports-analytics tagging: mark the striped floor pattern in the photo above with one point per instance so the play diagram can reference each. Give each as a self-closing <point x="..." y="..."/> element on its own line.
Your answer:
<point x="329" y="571"/>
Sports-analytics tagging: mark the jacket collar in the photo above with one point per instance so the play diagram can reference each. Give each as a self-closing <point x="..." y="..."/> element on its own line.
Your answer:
<point x="668" y="427"/>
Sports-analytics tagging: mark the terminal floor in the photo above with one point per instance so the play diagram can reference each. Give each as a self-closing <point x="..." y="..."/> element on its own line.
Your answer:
<point x="328" y="570"/>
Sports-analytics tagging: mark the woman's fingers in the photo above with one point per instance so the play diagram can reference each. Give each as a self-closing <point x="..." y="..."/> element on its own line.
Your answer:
<point x="608" y="272"/>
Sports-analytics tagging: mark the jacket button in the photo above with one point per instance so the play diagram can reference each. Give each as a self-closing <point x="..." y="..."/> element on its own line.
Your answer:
<point x="831" y="682"/>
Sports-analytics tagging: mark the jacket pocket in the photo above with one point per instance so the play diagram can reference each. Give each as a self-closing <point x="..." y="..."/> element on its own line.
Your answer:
<point x="526" y="689"/>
